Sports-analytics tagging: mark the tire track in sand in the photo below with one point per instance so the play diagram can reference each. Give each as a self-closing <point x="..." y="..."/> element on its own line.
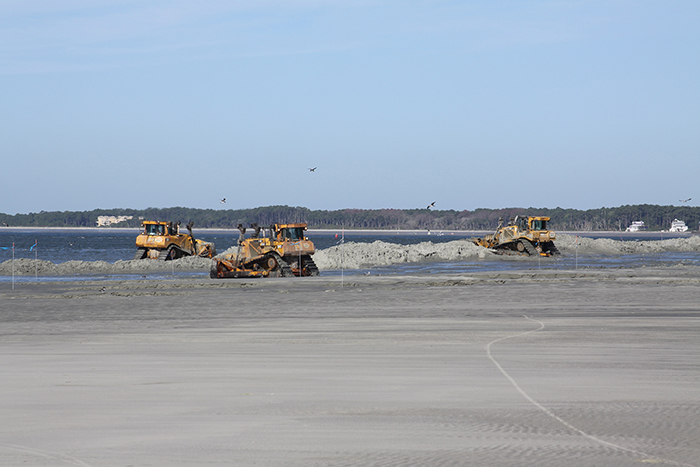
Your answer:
<point x="551" y="414"/>
<point x="45" y="454"/>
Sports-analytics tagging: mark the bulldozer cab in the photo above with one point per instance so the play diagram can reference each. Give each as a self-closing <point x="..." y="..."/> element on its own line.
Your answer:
<point x="538" y="223"/>
<point x="154" y="228"/>
<point x="291" y="232"/>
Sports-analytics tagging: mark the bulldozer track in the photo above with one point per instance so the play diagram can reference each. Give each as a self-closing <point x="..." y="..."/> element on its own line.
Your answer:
<point x="310" y="265"/>
<point x="530" y="248"/>
<point x="512" y="249"/>
<point x="284" y="266"/>
<point x="552" y="249"/>
<point x="165" y="255"/>
<point x="140" y="253"/>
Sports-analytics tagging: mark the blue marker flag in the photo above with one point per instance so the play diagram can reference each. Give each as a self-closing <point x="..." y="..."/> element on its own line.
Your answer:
<point x="32" y="247"/>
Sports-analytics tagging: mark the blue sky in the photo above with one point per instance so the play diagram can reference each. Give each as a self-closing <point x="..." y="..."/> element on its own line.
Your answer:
<point x="135" y="104"/>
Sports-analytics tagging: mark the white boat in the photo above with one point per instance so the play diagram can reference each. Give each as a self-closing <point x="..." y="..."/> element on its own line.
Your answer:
<point x="678" y="226"/>
<point x="636" y="226"/>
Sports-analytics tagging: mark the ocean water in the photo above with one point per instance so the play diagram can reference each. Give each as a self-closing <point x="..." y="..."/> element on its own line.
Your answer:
<point x="111" y="245"/>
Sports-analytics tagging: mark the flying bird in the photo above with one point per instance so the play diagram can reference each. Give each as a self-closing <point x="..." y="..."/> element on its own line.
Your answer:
<point x="685" y="200"/>
<point x="223" y="200"/>
<point x="312" y="170"/>
<point x="431" y="205"/>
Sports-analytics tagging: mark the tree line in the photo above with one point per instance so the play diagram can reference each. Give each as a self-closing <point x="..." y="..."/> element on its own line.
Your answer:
<point x="610" y="219"/>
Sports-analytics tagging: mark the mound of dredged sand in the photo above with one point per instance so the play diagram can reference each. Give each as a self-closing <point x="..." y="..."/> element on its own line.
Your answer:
<point x="360" y="255"/>
<point x="27" y="267"/>
<point x="353" y="255"/>
<point x="567" y="244"/>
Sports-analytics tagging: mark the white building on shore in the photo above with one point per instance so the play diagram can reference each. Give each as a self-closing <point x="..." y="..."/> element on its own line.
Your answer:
<point x="106" y="221"/>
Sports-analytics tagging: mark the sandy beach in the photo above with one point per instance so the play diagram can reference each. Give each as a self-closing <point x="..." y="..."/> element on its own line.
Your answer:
<point x="541" y="368"/>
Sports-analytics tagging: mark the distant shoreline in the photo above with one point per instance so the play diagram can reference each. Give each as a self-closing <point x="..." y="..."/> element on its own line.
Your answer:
<point x="437" y="233"/>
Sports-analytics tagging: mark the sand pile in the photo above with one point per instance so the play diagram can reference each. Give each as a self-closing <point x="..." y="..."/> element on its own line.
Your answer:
<point x="360" y="255"/>
<point x="607" y="246"/>
<point x="353" y="255"/>
<point x="231" y="251"/>
<point x="28" y="267"/>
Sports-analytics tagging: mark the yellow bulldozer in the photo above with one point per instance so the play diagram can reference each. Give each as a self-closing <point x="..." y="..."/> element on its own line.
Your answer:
<point x="526" y="235"/>
<point x="163" y="241"/>
<point x="284" y="252"/>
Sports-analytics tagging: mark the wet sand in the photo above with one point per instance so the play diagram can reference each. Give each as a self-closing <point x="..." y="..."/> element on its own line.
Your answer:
<point x="501" y="369"/>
